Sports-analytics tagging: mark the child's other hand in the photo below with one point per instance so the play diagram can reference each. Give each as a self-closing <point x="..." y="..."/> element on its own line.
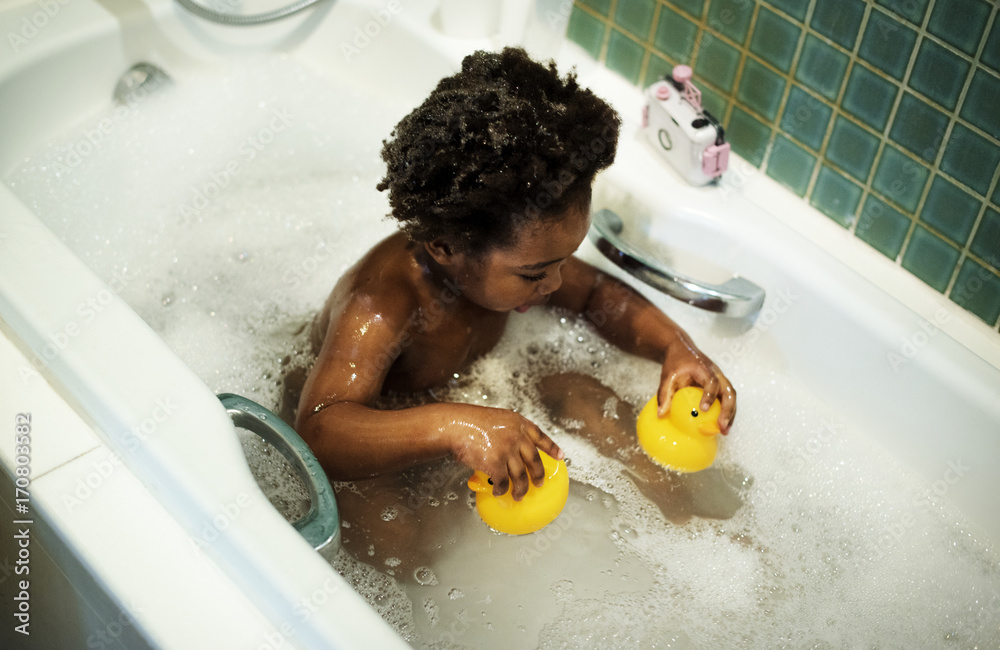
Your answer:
<point x="685" y="365"/>
<point x="500" y="443"/>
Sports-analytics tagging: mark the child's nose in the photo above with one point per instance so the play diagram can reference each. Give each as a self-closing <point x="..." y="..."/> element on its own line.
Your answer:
<point x="551" y="283"/>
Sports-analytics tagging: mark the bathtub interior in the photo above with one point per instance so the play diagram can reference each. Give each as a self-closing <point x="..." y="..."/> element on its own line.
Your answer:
<point x="815" y="310"/>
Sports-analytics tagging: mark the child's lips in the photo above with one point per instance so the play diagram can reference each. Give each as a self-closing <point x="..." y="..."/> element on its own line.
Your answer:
<point x="528" y="305"/>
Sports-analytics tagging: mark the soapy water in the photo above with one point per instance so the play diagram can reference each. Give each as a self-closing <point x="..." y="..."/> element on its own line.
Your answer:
<point x="833" y="546"/>
<point x="227" y="207"/>
<point x="275" y="476"/>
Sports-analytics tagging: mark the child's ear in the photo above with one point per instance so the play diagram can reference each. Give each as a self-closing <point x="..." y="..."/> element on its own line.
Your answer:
<point x="442" y="252"/>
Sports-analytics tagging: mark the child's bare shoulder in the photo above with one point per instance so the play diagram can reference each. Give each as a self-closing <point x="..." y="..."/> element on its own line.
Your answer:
<point x="381" y="290"/>
<point x="386" y="277"/>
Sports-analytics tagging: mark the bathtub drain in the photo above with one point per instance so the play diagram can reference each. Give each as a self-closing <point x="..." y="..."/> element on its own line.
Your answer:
<point x="140" y="80"/>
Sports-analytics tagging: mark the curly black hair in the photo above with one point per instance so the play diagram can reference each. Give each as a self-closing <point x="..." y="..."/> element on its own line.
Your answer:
<point x="502" y="144"/>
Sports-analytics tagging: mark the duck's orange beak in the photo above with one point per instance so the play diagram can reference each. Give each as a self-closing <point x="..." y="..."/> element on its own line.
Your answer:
<point x="479" y="482"/>
<point x="709" y="427"/>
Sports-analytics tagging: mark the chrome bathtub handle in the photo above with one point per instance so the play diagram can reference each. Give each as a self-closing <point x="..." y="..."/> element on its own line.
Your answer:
<point x="321" y="525"/>
<point x="735" y="297"/>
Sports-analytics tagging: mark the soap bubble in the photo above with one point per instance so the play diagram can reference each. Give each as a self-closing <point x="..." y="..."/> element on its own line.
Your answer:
<point x="425" y="576"/>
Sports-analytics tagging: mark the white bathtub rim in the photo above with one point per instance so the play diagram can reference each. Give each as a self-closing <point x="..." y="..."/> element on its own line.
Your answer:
<point x="125" y="560"/>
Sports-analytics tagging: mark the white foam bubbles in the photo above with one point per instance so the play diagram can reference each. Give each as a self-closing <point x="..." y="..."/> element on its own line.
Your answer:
<point x="835" y="544"/>
<point x="275" y="476"/>
<point x="226" y="206"/>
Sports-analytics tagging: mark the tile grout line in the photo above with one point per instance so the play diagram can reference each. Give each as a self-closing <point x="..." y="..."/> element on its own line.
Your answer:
<point x="838" y="111"/>
<point x="648" y="46"/>
<point x="964" y="251"/>
<point x="915" y="217"/>
<point x="866" y="187"/>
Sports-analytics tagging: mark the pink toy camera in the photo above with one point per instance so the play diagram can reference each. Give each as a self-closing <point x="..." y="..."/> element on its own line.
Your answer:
<point x="687" y="135"/>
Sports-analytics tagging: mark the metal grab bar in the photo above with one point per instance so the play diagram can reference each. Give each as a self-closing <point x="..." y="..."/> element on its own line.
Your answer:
<point x="737" y="297"/>
<point x="321" y="525"/>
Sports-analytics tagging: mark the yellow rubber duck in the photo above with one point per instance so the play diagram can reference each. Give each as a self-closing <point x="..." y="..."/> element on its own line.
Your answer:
<point x="685" y="440"/>
<point x="539" y="507"/>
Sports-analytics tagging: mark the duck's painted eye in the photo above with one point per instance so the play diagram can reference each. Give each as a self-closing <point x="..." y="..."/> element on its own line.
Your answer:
<point x="490" y="481"/>
<point x="694" y="412"/>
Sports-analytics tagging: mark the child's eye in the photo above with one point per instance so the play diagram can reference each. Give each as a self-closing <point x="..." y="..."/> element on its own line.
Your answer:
<point x="535" y="278"/>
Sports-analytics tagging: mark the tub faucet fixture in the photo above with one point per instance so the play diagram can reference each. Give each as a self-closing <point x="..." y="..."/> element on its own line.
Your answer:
<point x="239" y="20"/>
<point x="737" y="297"/>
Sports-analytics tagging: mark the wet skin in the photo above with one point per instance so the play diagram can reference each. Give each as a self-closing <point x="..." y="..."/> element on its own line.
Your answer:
<point x="408" y="316"/>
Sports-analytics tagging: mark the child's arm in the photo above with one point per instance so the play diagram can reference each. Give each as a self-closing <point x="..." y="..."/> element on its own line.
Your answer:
<point x="624" y="317"/>
<point x="353" y="440"/>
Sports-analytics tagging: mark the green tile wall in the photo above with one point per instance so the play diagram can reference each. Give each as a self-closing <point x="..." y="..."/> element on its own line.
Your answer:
<point x="882" y="114"/>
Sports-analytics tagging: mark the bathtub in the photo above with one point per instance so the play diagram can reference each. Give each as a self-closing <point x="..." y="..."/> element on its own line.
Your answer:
<point x="140" y="497"/>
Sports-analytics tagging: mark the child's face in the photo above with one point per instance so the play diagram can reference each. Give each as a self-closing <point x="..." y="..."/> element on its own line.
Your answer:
<point x="528" y="272"/>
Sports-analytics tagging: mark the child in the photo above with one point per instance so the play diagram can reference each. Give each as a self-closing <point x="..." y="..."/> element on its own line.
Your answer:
<point x="490" y="179"/>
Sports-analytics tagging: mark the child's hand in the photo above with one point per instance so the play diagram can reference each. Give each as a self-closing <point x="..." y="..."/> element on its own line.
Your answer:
<point x="630" y="321"/>
<point x="686" y="365"/>
<point x="500" y="443"/>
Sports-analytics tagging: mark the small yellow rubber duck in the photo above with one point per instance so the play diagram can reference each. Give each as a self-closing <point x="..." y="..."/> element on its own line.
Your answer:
<point x="539" y="507"/>
<point x="685" y="440"/>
